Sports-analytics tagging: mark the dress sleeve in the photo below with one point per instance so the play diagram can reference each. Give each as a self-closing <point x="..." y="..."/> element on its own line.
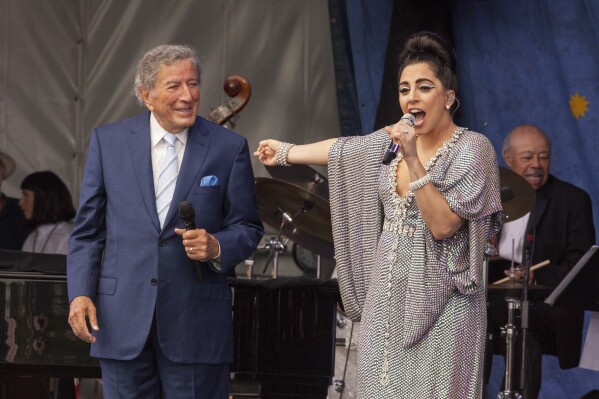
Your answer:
<point x="470" y="184"/>
<point x="356" y="213"/>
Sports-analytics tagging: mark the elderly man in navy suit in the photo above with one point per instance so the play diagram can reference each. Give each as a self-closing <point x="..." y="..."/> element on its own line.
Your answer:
<point x="156" y="295"/>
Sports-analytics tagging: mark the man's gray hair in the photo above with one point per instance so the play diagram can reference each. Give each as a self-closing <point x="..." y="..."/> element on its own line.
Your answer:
<point x="166" y="54"/>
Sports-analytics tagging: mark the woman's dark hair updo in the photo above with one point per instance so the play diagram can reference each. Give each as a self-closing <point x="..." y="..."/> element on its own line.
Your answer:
<point x="432" y="49"/>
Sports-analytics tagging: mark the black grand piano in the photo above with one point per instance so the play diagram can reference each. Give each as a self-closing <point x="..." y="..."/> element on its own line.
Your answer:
<point x="284" y="330"/>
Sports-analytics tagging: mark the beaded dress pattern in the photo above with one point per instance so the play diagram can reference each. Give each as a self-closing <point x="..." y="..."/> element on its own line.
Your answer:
<point x="421" y="301"/>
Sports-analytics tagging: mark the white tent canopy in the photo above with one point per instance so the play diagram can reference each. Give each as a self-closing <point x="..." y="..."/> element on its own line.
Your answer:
<point x="67" y="66"/>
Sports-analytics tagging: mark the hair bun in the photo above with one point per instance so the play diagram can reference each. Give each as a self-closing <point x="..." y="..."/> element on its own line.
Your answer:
<point x="426" y="44"/>
<point x="430" y="48"/>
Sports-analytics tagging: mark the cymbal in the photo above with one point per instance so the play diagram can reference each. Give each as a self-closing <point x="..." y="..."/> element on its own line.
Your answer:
<point x="517" y="195"/>
<point x="303" y="176"/>
<point x="310" y="224"/>
<point x="513" y="287"/>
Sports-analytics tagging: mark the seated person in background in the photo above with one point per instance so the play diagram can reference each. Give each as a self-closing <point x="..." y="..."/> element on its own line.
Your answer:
<point x="13" y="228"/>
<point x="562" y="225"/>
<point x="47" y="205"/>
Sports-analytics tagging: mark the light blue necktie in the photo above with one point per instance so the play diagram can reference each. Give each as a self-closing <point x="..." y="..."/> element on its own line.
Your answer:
<point x="167" y="178"/>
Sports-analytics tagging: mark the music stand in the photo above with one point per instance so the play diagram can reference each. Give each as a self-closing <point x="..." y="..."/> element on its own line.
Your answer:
<point x="565" y="283"/>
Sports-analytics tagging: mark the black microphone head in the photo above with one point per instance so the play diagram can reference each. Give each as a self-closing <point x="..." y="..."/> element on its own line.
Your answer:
<point x="408" y="119"/>
<point x="186" y="210"/>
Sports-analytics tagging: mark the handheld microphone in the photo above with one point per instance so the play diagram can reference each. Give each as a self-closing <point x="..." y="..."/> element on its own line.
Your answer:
<point x="188" y="215"/>
<point x="391" y="153"/>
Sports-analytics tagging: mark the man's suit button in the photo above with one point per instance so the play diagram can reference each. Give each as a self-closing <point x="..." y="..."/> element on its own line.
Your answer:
<point x="161" y="243"/>
<point x="154" y="281"/>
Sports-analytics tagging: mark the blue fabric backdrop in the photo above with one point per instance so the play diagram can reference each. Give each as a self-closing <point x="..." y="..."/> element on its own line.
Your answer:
<point x="369" y="28"/>
<point x="534" y="62"/>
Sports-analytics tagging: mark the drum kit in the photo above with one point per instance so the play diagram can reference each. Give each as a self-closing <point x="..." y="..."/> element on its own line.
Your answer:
<point x="517" y="198"/>
<point x="295" y="202"/>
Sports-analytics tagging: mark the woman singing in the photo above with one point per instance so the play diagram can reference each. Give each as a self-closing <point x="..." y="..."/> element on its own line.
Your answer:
<point x="410" y="235"/>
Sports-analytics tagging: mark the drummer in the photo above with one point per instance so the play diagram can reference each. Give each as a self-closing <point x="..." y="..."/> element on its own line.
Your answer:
<point x="561" y="225"/>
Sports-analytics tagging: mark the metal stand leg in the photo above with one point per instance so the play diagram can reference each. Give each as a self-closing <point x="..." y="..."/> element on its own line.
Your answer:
<point x="509" y="332"/>
<point x="276" y="247"/>
<point x="318" y="266"/>
<point x="249" y="262"/>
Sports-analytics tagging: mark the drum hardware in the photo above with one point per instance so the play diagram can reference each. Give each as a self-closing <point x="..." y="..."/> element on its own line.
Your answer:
<point x="306" y="191"/>
<point x="490" y="251"/>
<point x="509" y="331"/>
<point x="528" y="248"/>
<point x="513" y="268"/>
<point x="311" y="227"/>
<point x="249" y="262"/>
<point x="311" y="264"/>
<point x="512" y="290"/>
<point x="276" y="245"/>
<point x="517" y="195"/>
<point x="339" y="385"/>
<point x="340" y="321"/>
<point x="318" y="266"/>
<point x="517" y="199"/>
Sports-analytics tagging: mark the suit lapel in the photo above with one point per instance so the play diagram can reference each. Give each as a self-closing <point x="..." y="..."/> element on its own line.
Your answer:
<point x="139" y="148"/>
<point x="196" y="150"/>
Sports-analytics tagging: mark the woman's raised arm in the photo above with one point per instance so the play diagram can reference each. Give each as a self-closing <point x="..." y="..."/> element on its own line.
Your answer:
<point x="273" y="152"/>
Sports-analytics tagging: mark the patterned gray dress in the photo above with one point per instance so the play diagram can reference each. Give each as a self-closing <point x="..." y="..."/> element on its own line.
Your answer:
<point x="421" y="301"/>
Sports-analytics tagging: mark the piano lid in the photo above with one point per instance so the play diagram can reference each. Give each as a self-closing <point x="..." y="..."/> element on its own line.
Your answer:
<point x="19" y="261"/>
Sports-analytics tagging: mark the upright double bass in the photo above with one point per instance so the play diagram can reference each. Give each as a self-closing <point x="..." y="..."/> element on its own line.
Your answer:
<point x="239" y="89"/>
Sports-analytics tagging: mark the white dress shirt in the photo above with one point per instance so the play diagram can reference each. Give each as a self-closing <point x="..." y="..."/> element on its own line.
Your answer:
<point x="49" y="238"/>
<point x="512" y="239"/>
<point x="157" y="132"/>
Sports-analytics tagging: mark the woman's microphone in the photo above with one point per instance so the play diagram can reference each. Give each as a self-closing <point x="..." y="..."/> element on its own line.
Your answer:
<point x="391" y="153"/>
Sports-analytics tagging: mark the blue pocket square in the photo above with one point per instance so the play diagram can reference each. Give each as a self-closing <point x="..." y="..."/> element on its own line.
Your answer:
<point x="209" y="181"/>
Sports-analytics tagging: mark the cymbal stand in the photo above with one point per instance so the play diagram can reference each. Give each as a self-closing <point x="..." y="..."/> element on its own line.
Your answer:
<point x="512" y="273"/>
<point x="510" y="332"/>
<point x="318" y="266"/>
<point x="490" y="250"/>
<point x="249" y="262"/>
<point x="275" y="245"/>
<point x="528" y="246"/>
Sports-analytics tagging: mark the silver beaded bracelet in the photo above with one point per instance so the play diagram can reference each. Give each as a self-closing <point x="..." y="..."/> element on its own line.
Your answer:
<point x="423" y="181"/>
<point x="282" y="153"/>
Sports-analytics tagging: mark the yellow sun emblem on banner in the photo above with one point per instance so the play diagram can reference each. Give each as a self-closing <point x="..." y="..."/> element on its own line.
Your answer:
<point x="578" y="105"/>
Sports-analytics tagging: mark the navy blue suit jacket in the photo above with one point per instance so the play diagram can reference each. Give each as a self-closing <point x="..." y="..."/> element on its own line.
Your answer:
<point x="132" y="269"/>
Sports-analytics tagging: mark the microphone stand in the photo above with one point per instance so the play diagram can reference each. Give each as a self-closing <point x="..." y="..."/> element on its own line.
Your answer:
<point x="524" y="310"/>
